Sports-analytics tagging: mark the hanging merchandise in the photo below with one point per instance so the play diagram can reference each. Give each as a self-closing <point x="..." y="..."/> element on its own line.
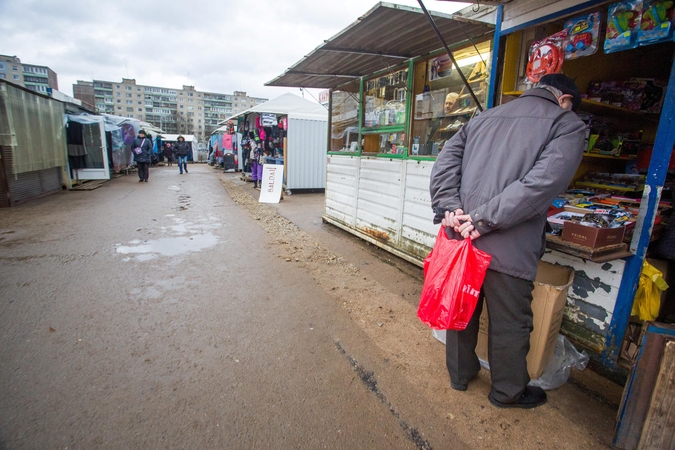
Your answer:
<point x="546" y="56"/>
<point x="623" y="23"/>
<point x="656" y="24"/>
<point x="648" y="296"/>
<point x="582" y="36"/>
<point x="268" y="120"/>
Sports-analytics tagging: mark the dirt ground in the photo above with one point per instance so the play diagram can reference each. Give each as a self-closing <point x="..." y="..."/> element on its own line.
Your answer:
<point x="383" y="302"/>
<point x="182" y="313"/>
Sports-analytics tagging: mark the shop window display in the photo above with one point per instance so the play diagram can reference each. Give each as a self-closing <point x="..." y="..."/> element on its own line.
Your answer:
<point x="345" y="118"/>
<point x="442" y="104"/>
<point x="385" y="143"/>
<point x="385" y="100"/>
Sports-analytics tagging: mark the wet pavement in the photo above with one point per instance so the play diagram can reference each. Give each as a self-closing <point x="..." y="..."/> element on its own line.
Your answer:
<point x="168" y="315"/>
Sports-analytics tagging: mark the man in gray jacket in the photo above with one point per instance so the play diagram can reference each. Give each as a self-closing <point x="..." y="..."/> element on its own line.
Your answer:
<point x="493" y="182"/>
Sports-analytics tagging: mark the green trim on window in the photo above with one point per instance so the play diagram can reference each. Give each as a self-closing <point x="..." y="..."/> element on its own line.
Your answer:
<point x="421" y="158"/>
<point x="360" y="114"/>
<point x="382" y="130"/>
<point x="344" y="153"/>
<point x="383" y="155"/>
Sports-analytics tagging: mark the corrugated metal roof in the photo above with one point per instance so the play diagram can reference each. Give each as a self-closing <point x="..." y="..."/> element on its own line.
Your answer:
<point x="385" y="36"/>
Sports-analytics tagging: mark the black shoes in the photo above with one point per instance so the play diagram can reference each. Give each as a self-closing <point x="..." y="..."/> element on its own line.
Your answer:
<point x="530" y="398"/>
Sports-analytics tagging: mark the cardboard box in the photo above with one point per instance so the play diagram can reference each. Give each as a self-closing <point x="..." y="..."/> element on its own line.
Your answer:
<point x="591" y="236"/>
<point x="548" y="303"/>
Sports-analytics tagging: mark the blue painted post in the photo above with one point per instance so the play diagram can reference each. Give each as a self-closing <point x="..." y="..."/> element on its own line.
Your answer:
<point x="658" y="167"/>
<point x="495" y="58"/>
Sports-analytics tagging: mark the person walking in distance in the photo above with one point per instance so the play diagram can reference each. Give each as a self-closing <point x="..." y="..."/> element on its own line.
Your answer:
<point x="493" y="182"/>
<point x="182" y="150"/>
<point x="168" y="154"/>
<point x="142" y="148"/>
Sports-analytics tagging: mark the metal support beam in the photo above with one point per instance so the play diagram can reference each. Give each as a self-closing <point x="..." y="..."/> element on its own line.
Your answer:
<point x="658" y="168"/>
<point x="494" y="70"/>
<point x="332" y="75"/>
<point x="450" y="55"/>
<point x="363" y="52"/>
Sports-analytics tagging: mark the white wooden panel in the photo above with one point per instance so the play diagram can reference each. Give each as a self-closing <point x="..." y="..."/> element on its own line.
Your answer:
<point x="418" y="227"/>
<point x="341" y="188"/>
<point x="306" y="154"/>
<point x="379" y="199"/>
<point x="592" y="297"/>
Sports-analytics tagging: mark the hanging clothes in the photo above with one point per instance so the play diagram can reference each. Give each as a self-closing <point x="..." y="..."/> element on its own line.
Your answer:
<point x="227" y="142"/>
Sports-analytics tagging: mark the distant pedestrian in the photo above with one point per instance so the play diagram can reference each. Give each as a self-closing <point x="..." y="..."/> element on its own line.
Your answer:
<point x="142" y="148"/>
<point x="182" y="151"/>
<point x="168" y="153"/>
<point x="262" y="160"/>
<point x="256" y="167"/>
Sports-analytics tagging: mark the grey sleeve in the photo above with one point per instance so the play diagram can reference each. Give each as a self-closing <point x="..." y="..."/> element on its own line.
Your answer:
<point x="446" y="175"/>
<point x="531" y="196"/>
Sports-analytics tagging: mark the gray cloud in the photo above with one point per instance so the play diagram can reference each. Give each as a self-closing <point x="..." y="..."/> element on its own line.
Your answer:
<point x="215" y="45"/>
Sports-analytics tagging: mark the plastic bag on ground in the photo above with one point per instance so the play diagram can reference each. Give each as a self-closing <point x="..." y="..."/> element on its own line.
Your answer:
<point x="453" y="275"/>
<point x="565" y="357"/>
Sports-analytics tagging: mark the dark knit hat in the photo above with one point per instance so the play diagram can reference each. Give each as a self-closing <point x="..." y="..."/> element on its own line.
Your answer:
<point x="565" y="85"/>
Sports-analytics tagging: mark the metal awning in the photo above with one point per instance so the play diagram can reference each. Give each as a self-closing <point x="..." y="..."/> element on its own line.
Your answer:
<point x="385" y="36"/>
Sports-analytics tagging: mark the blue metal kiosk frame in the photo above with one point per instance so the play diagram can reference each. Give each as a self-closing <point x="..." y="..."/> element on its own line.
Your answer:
<point x="663" y="146"/>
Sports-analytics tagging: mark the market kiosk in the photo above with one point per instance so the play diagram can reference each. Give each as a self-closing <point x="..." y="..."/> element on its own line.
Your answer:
<point x="629" y="118"/>
<point x="621" y="57"/>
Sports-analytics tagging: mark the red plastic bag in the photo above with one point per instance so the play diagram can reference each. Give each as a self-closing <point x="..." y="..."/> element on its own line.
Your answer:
<point x="453" y="275"/>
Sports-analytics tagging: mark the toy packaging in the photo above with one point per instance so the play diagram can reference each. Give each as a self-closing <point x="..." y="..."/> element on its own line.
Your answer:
<point x="656" y="24"/>
<point x="582" y="36"/>
<point x="546" y="56"/>
<point x="623" y="24"/>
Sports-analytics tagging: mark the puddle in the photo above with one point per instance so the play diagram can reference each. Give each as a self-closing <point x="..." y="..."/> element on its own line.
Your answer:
<point x="170" y="246"/>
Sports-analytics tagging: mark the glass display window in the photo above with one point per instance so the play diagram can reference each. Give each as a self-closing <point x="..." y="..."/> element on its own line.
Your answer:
<point x="385" y="100"/>
<point x="442" y="103"/>
<point x="385" y="143"/>
<point x="344" y="124"/>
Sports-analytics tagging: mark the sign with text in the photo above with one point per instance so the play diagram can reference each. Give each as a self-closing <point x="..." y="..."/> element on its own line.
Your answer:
<point x="271" y="184"/>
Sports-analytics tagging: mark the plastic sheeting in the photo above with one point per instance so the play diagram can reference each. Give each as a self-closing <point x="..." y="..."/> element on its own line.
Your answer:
<point x="129" y="128"/>
<point x="32" y="125"/>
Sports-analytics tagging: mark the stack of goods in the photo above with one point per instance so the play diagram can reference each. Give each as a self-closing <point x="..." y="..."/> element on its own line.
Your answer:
<point x="638" y="94"/>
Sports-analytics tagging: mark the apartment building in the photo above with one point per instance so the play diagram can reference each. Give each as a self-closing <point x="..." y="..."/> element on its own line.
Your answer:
<point x="184" y="110"/>
<point x="36" y="78"/>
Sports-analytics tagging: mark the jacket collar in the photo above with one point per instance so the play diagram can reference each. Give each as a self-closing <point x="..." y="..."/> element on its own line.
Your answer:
<point x="541" y="93"/>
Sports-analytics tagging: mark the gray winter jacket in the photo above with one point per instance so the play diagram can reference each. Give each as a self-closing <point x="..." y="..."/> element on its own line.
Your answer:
<point x="504" y="168"/>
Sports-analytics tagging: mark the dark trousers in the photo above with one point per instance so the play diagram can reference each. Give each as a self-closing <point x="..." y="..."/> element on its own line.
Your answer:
<point x="143" y="170"/>
<point x="509" y="303"/>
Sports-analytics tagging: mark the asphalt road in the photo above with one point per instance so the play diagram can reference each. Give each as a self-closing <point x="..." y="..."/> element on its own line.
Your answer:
<point x="157" y="315"/>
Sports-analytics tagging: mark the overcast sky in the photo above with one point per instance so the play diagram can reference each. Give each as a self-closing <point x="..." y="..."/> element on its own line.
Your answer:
<point x="215" y="45"/>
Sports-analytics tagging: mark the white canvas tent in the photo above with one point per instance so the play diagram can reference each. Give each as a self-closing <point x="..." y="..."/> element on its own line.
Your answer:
<point x="306" y="141"/>
<point x="289" y="105"/>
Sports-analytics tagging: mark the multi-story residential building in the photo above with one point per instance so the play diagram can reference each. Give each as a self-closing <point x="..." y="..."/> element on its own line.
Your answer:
<point x="37" y="78"/>
<point x="183" y="110"/>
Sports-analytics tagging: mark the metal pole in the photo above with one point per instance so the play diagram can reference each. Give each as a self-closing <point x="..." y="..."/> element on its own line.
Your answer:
<point x="452" y="58"/>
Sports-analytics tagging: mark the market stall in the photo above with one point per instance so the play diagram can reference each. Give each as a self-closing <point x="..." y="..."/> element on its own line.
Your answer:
<point x="294" y="130"/>
<point x="391" y="111"/>
<point x="120" y="137"/>
<point x="32" y="164"/>
<point x="617" y="203"/>
<point x="173" y="138"/>
<point x="390" y="117"/>
<point x="88" y="150"/>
